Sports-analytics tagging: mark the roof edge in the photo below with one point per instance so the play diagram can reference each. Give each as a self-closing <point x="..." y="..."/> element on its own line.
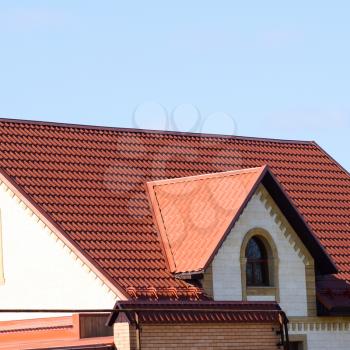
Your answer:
<point x="329" y="265"/>
<point x="202" y="176"/>
<point x="152" y="131"/>
<point x="157" y="217"/>
<point x="331" y="157"/>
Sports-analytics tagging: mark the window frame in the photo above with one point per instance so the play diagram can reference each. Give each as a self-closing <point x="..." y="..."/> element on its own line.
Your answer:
<point x="272" y="289"/>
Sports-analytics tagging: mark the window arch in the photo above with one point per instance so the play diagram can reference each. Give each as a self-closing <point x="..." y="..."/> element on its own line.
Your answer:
<point x="259" y="264"/>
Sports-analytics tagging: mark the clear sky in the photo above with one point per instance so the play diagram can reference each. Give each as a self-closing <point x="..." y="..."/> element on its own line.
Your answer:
<point x="256" y="68"/>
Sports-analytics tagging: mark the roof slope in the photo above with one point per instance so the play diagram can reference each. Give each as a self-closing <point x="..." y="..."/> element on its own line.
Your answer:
<point x="193" y="213"/>
<point x="91" y="181"/>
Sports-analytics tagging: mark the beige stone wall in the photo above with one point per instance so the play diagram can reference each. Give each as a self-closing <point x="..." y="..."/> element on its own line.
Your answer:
<point x="202" y="336"/>
<point x="124" y="336"/>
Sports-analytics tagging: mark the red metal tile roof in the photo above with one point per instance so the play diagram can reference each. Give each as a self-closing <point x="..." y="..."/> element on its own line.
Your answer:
<point x="334" y="295"/>
<point x="98" y="343"/>
<point x="38" y="329"/>
<point x="49" y="333"/>
<point x="203" y="312"/>
<point x="91" y="182"/>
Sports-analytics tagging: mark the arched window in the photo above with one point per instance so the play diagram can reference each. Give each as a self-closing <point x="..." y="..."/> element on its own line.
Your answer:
<point x="257" y="268"/>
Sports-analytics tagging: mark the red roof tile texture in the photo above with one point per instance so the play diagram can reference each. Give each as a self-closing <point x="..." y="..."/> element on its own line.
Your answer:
<point x="38" y="329"/>
<point x="49" y="333"/>
<point x="91" y="182"/>
<point x="334" y="295"/>
<point x="98" y="343"/>
<point x="193" y="213"/>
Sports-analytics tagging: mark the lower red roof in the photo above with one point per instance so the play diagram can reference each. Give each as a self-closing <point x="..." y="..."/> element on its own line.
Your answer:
<point x="50" y="333"/>
<point x="197" y="312"/>
<point x="100" y="343"/>
<point x="333" y="294"/>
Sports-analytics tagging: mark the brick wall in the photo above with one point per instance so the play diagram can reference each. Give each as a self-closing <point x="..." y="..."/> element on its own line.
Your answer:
<point x="200" y="336"/>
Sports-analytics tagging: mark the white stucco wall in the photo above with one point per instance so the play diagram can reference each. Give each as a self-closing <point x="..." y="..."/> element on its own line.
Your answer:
<point x="226" y="264"/>
<point x="40" y="272"/>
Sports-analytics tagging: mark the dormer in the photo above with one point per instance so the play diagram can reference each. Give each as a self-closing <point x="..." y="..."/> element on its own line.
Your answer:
<point x="241" y="236"/>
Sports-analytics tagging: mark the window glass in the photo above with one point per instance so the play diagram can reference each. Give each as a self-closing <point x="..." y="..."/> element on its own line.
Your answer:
<point x="254" y="250"/>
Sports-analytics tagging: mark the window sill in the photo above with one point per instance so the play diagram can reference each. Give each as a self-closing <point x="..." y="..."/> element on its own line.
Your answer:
<point x="268" y="291"/>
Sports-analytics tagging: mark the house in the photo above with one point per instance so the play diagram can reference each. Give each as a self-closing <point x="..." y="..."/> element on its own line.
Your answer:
<point x="193" y="241"/>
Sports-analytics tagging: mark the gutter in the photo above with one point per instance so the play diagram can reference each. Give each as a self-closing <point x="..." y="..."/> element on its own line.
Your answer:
<point x="283" y="332"/>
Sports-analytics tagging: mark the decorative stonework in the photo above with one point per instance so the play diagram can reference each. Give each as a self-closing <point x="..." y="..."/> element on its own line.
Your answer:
<point x="318" y="324"/>
<point x="284" y="225"/>
<point x="60" y="243"/>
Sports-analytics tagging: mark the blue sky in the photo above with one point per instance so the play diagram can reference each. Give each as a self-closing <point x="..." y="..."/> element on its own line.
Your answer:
<point x="256" y="68"/>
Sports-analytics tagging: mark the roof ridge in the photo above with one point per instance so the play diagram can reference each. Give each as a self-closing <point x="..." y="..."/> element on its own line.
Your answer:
<point x="206" y="176"/>
<point x="37" y="328"/>
<point x="153" y="131"/>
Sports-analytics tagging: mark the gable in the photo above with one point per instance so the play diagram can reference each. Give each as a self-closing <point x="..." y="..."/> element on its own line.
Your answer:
<point x="295" y="295"/>
<point x="40" y="271"/>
